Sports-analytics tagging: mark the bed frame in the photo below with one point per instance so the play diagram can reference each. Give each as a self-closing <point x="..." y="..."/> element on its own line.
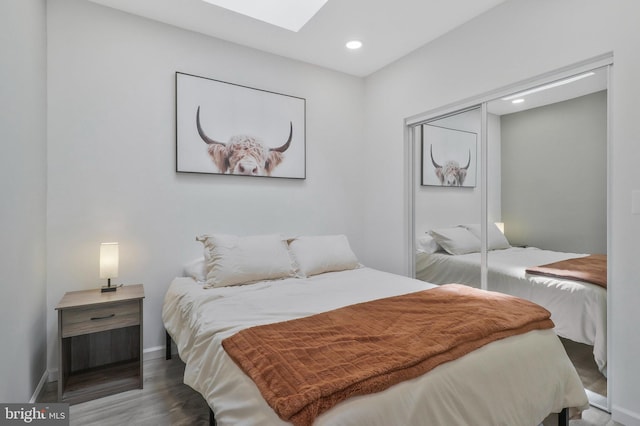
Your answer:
<point x="563" y="416"/>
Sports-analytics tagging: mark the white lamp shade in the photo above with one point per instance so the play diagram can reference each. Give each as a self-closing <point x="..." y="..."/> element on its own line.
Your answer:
<point x="108" y="260"/>
<point x="500" y="226"/>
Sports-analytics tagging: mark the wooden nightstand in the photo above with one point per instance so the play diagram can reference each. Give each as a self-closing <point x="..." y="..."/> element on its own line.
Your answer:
<point x="99" y="343"/>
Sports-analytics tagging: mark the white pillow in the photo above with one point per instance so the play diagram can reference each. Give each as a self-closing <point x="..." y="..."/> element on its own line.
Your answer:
<point x="318" y="254"/>
<point x="233" y="260"/>
<point x="457" y="240"/>
<point x="426" y="244"/>
<point x="196" y="269"/>
<point x="496" y="239"/>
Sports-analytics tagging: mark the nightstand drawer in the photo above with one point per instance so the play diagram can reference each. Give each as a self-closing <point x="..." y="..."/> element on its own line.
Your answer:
<point x="88" y="319"/>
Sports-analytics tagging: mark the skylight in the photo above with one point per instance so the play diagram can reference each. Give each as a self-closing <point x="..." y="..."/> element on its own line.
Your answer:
<point x="288" y="14"/>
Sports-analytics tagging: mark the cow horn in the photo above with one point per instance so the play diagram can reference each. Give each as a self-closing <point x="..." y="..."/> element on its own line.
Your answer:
<point x="204" y="137"/>
<point x="284" y="147"/>
<point x="436" y="165"/>
<point x="468" y="162"/>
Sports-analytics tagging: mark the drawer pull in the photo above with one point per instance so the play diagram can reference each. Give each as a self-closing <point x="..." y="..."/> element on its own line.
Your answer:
<point x="101" y="318"/>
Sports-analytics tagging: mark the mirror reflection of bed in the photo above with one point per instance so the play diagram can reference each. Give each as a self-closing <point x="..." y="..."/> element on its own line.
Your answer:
<point x="546" y="180"/>
<point x="578" y="308"/>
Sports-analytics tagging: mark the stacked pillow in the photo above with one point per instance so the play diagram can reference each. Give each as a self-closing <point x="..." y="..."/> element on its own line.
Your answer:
<point x="495" y="237"/>
<point x="319" y="254"/>
<point x="462" y="239"/>
<point x="456" y="240"/>
<point x="426" y="244"/>
<point x="235" y="260"/>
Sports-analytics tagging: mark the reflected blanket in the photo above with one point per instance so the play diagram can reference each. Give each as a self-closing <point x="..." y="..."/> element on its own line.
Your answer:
<point x="591" y="269"/>
<point x="305" y="366"/>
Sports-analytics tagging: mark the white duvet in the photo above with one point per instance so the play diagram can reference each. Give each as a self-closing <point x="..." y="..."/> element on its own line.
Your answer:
<point x="515" y="381"/>
<point x="578" y="309"/>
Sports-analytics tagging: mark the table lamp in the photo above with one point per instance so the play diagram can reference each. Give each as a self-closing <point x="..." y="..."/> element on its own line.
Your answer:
<point x="108" y="264"/>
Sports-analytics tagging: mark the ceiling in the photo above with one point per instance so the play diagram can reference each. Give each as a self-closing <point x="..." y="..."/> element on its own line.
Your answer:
<point x="585" y="86"/>
<point x="389" y="29"/>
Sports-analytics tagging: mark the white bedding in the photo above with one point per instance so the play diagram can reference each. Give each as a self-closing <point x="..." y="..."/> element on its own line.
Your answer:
<point x="515" y="381"/>
<point x="578" y="309"/>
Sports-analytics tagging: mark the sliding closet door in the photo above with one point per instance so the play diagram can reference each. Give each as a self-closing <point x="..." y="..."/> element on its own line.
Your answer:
<point x="547" y="193"/>
<point x="447" y="196"/>
<point x="522" y="173"/>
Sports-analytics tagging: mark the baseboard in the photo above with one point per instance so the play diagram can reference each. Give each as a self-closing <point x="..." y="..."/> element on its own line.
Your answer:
<point x="157" y="352"/>
<point x="625" y="417"/>
<point x="153" y="353"/>
<point x="41" y="383"/>
<point x="53" y="375"/>
<point x="598" y="401"/>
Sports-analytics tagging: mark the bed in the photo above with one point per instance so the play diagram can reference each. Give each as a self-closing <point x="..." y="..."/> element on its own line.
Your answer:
<point x="518" y="380"/>
<point x="578" y="309"/>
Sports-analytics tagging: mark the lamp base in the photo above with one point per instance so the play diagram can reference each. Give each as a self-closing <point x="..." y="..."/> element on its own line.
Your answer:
<point x="106" y="289"/>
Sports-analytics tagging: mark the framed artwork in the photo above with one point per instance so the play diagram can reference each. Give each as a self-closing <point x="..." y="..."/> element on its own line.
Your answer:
<point x="225" y="128"/>
<point x="449" y="157"/>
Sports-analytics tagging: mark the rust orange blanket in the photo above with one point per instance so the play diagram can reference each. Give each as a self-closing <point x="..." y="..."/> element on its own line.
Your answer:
<point x="591" y="269"/>
<point x="305" y="366"/>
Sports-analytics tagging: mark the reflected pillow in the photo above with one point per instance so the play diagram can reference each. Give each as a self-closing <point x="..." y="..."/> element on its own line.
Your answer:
<point x="456" y="240"/>
<point x="495" y="238"/>
<point x="324" y="253"/>
<point x="426" y="244"/>
<point x="233" y="260"/>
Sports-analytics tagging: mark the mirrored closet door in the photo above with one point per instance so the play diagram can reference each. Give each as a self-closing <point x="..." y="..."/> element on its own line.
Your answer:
<point x="547" y="203"/>
<point x="447" y="193"/>
<point x="525" y="173"/>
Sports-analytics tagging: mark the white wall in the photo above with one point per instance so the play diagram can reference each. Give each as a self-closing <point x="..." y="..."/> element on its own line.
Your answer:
<point x="111" y="171"/>
<point x="516" y="41"/>
<point x="554" y="192"/>
<point x="23" y="155"/>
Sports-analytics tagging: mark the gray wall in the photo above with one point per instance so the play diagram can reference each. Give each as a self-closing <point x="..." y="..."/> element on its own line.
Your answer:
<point x="554" y="175"/>
<point x="23" y="193"/>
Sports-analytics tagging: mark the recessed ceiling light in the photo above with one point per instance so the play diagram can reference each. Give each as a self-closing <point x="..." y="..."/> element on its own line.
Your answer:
<point x="288" y="14"/>
<point x="354" y="44"/>
<point x="548" y="86"/>
<point x="517" y="101"/>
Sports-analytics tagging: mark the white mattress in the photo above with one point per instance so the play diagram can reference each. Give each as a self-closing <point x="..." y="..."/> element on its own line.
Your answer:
<point x="514" y="381"/>
<point x="578" y="309"/>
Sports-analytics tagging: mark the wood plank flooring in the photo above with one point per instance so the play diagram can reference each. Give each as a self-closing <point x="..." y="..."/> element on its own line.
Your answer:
<point x="166" y="401"/>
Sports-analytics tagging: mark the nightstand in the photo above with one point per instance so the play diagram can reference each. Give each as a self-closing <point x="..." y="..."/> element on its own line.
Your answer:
<point x="99" y="343"/>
